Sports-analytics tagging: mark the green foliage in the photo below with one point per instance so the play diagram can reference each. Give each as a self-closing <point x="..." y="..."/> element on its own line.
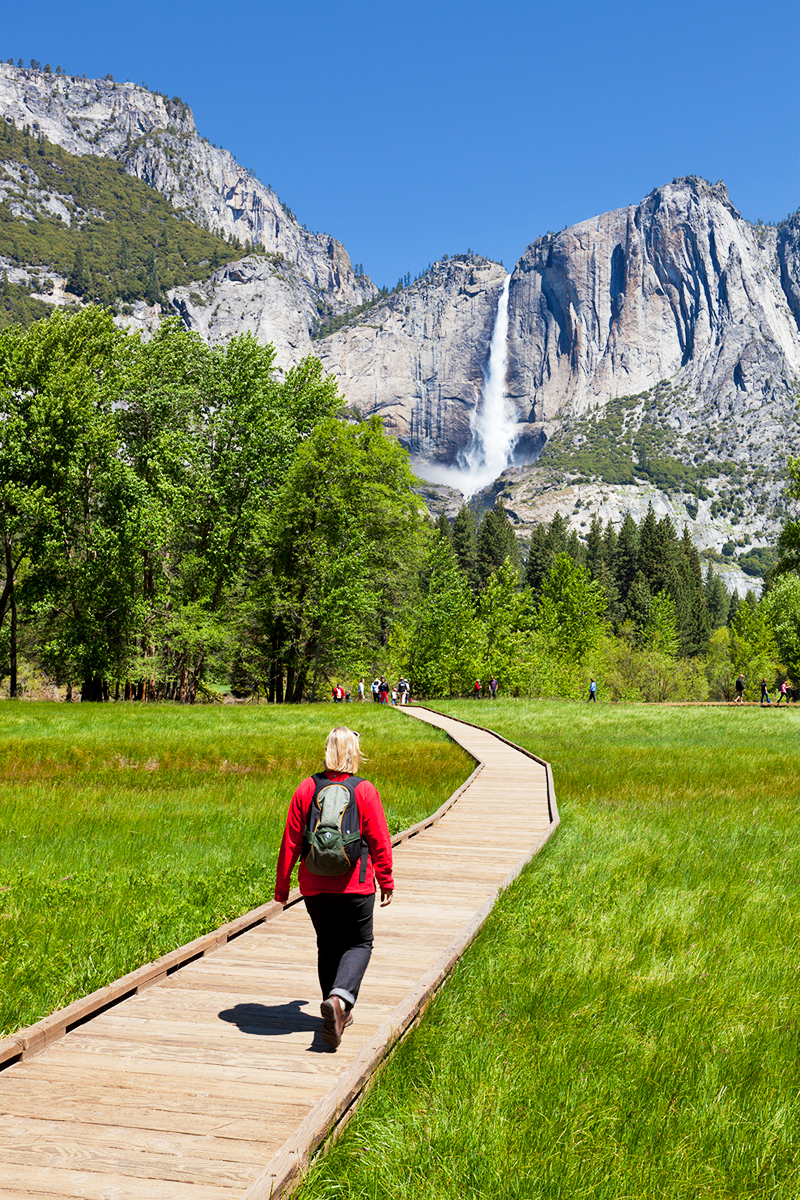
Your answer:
<point x="345" y="530"/>
<point x="496" y="542"/>
<point x="124" y="240"/>
<point x="18" y="306"/>
<point x="720" y="670"/>
<point x="505" y="615"/>
<point x="137" y="481"/>
<point x="569" y="614"/>
<point x="759" y="562"/>
<point x="648" y="673"/>
<point x="781" y="607"/>
<point x="789" y="540"/>
<point x="465" y="545"/>
<point x="443" y="645"/>
<point x="628" y="441"/>
<point x="660" y="632"/>
<point x="753" y="647"/>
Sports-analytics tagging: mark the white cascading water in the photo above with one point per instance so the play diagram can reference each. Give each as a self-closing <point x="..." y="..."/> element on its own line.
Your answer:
<point x="493" y="427"/>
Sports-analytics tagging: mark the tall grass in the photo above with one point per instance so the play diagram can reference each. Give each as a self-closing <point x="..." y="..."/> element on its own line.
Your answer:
<point x="128" y="830"/>
<point x="627" y="1025"/>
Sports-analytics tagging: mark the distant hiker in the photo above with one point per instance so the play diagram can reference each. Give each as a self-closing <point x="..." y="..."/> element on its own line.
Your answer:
<point x="383" y="690"/>
<point x="348" y="696"/>
<point x="338" y="694"/>
<point x="402" y="687"/>
<point x="375" y="688"/>
<point x="493" y="688"/>
<point x="784" y="692"/>
<point x="739" y="689"/>
<point x="477" y="689"/>
<point x="764" y="693"/>
<point x="361" y="695"/>
<point x="395" y="695"/>
<point x="592" y="692"/>
<point x="338" y="872"/>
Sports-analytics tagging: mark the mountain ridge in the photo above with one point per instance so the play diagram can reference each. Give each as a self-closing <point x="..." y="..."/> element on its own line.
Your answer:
<point x="675" y="308"/>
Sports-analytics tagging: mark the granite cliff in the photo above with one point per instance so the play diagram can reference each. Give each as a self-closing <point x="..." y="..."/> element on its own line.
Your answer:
<point x="417" y="357"/>
<point x="155" y="139"/>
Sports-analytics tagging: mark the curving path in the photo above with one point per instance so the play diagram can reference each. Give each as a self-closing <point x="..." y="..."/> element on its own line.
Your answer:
<point x="203" y="1076"/>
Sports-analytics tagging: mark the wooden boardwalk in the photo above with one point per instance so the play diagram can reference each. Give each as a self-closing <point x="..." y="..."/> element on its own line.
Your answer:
<point x="212" y="1082"/>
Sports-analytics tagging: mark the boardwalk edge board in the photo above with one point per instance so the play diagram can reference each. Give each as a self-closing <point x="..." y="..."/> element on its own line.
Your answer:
<point x="552" y="807"/>
<point x="329" y="1115"/>
<point x="25" y="1043"/>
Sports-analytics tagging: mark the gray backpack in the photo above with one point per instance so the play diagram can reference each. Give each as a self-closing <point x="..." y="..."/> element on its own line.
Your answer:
<point x="332" y="842"/>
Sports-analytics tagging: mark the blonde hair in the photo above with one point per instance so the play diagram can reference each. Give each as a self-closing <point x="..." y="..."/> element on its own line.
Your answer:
<point x="342" y="752"/>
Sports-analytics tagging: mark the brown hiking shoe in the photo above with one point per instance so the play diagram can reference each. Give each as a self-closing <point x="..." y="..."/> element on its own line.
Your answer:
<point x="334" y="1020"/>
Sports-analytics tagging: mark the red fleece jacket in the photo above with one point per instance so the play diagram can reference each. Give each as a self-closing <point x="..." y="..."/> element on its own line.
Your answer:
<point x="374" y="831"/>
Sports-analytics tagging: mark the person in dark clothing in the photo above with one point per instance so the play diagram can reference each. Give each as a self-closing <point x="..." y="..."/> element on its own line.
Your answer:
<point x="340" y="906"/>
<point x="592" y="691"/>
<point x="764" y="692"/>
<point x="740" y="689"/>
<point x="493" y="688"/>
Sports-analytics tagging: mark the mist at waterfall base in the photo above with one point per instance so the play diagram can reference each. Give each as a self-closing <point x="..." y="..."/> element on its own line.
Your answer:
<point x="493" y="425"/>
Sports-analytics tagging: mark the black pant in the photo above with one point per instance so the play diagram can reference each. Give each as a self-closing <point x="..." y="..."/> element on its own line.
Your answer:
<point x="343" y="925"/>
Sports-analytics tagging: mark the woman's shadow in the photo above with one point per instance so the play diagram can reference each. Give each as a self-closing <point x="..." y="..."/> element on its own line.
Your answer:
<point x="276" y="1020"/>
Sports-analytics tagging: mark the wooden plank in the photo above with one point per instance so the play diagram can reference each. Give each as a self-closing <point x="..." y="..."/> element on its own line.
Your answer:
<point x="118" y="1162"/>
<point x="77" y="1184"/>
<point x="91" y="1107"/>
<point x="21" y="1132"/>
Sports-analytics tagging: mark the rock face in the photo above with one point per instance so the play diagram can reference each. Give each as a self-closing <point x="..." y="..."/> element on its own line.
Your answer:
<point x="256" y="295"/>
<point x="679" y="285"/>
<point x="156" y="140"/>
<point x="418" y="357"/>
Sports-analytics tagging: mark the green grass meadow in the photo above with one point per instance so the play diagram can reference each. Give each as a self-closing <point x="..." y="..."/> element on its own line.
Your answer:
<point x="127" y="830"/>
<point x="627" y="1024"/>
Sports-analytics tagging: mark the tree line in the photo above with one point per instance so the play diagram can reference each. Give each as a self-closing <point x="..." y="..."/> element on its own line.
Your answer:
<point x="178" y="520"/>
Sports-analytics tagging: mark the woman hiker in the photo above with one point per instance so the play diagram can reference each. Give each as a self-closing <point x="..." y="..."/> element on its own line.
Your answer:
<point x="338" y="885"/>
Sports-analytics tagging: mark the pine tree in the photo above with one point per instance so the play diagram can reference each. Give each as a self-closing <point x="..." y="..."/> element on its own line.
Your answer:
<point x="626" y="556"/>
<point x="734" y="604"/>
<point x="693" y="618"/>
<point x="650" y="548"/>
<point x="574" y="548"/>
<point x="496" y="542"/>
<point x="78" y="280"/>
<point x="443" y="527"/>
<point x="638" y="601"/>
<point x="540" y="559"/>
<point x="717" y="599"/>
<point x="465" y="545"/>
<point x="595" y="547"/>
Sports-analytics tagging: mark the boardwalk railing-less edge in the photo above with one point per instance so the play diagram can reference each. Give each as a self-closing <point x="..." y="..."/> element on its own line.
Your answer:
<point x="145" y="1092"/>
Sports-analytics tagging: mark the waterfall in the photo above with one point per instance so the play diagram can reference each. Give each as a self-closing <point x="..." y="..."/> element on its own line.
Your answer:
<point x="493" y="427"/>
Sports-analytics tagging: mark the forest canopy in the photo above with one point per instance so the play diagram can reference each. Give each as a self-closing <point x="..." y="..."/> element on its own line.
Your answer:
<point x="180" y="520"/>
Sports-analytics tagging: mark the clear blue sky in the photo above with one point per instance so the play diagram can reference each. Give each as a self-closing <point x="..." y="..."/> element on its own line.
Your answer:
<point x="414" y="128"/>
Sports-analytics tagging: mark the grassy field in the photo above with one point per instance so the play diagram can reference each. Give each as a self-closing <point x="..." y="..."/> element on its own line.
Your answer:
<point x="127" y="830"/>
<point x="627" y="1025"/>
